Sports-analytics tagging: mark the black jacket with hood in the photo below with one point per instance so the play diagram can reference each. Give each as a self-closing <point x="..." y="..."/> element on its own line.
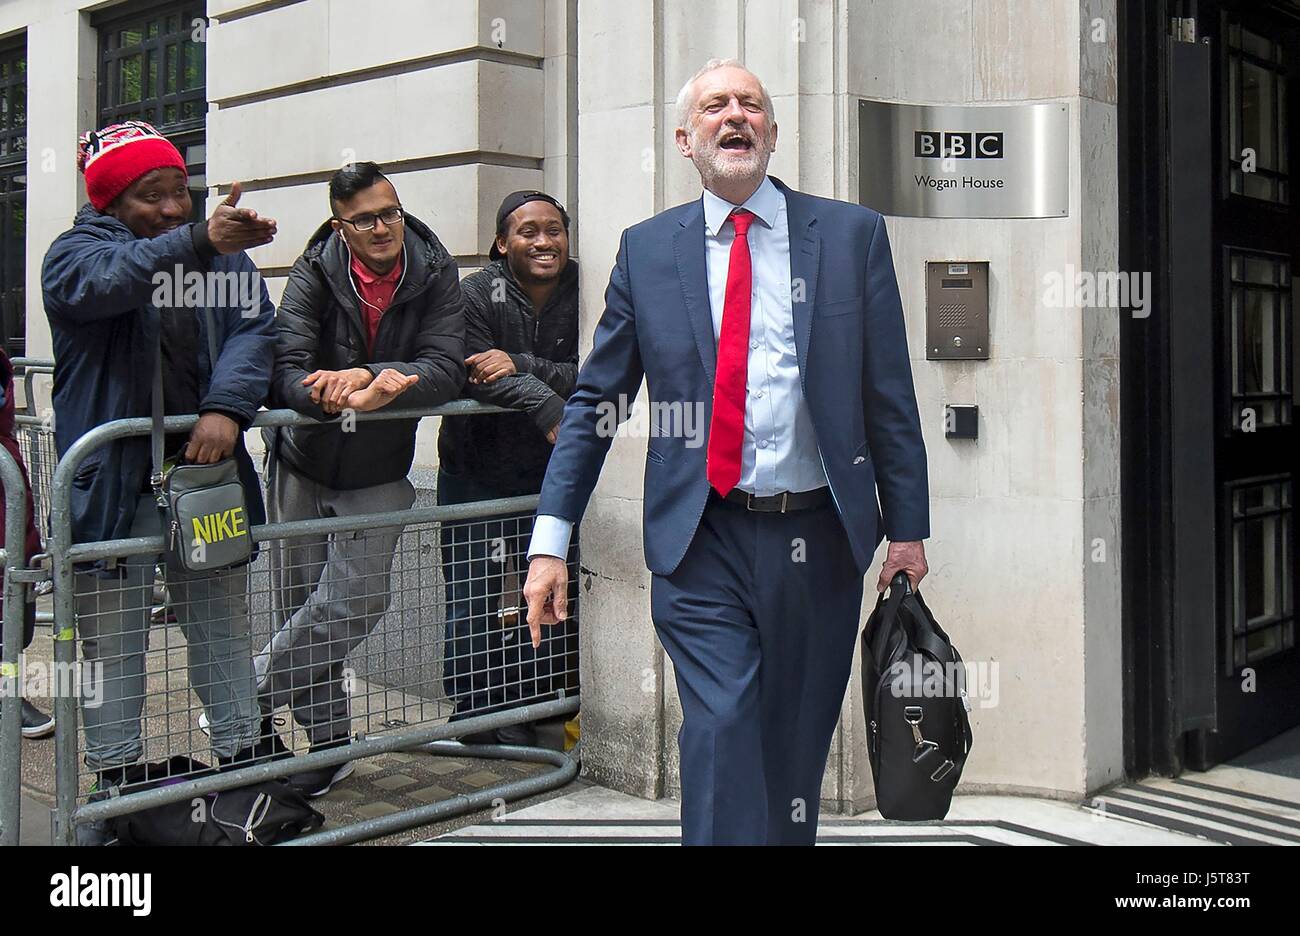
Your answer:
<point x="320" y="327"/>
<point x="508" y="452"/>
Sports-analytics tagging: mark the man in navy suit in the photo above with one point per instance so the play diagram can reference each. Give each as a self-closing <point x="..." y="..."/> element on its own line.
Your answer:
<point x="777" y="315"/>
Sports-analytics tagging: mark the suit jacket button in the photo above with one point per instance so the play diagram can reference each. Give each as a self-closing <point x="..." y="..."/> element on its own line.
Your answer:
<point x="859" y="460"/>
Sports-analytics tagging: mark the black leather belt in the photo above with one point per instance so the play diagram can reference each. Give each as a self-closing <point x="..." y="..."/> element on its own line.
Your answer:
<point x="784" y="502"/>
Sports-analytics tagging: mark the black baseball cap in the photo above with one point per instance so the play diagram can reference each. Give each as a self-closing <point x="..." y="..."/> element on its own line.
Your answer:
<point x="510" y="204"/>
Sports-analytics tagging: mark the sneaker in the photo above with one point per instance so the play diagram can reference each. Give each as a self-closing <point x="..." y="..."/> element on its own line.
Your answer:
<point x="267" y="747"/>
<point x="244" y="757"/>
<point x="36" y="724"/>
<point x="524" y="735"/>
<point x="108" y="778"/>
<point x="259" y="753"/>
<point x="476" y="737"/>
<point x="318" y="781"/>
<point x="267" y="730"/>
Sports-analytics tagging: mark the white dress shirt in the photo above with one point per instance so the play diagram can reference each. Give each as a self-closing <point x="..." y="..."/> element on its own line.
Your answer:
<point x="779" y="450"/>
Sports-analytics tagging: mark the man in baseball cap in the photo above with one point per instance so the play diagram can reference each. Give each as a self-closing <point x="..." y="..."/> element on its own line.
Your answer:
<point x="109" y="316"/>
<point x="521" y="337"/>
<point x="512" y="203"/>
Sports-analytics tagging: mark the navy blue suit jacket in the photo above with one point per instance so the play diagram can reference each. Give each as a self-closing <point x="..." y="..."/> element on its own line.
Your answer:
<point x="853" y="361"/>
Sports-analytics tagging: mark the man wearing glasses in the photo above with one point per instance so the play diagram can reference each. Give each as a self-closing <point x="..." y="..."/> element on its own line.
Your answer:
<point x="372" y="312"/>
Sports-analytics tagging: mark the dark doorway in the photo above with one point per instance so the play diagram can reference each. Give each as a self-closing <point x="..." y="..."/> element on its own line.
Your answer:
<point x="1209" y="142"/>
<point x="1256" y="233"/>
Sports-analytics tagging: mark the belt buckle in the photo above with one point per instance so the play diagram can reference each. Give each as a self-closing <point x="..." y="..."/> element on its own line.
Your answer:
<point x="749" y="502"/>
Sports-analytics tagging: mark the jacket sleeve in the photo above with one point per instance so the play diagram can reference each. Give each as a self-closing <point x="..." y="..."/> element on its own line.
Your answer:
<point x="241" y="375"/>
<point x="520" y="391"/>
<point x="523" y="392"/>
<point x="893" y="426"/>
<point x="439" y="358"/>
<point x="87" y="278"/>
<point x="297" y="341"/>
<point x="613" y="371"/>
<point x="560" y="376"/>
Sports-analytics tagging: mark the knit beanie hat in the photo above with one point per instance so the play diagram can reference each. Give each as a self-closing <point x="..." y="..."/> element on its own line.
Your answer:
<point x="114" y="157"/>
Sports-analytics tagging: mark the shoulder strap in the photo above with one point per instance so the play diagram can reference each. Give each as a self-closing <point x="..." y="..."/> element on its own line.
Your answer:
<point x="212" y="342"/>
<point x="156" y="432"/>
<point x="157" y="435"/>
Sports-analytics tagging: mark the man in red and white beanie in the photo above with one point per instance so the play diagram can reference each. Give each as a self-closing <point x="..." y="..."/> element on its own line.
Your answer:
<point x="114" y="157"/>
<point x="110" y="318"/>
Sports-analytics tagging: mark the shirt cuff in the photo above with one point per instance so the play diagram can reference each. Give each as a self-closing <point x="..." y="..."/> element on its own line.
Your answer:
<point x="551" y="537"/>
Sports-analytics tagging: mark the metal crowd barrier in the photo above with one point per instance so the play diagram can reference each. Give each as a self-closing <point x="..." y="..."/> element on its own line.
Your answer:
<point x="36" y="444"/>
<point x="36" y="439"/>
<point x="402" y="684"/>
<point x="11" y="690"/>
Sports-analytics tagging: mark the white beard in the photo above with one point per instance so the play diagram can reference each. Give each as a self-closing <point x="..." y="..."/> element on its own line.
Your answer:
<point x="711" y="165"/>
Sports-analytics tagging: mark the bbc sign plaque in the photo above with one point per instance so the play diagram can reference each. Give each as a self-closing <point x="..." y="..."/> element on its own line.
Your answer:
<point x="964" y="161"/>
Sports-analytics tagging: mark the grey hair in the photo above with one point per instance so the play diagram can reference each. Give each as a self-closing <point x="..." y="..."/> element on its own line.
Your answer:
<point x="684" y="102"/>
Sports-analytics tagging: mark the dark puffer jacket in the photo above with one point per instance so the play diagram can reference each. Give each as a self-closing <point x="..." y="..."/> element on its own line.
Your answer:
<point x="320" y="328"/>
<point x="99" y="291"/>
<point x="508" y="452"/>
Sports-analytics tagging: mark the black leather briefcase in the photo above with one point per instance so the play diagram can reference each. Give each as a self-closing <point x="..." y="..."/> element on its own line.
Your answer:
<point x="914" y="694"/>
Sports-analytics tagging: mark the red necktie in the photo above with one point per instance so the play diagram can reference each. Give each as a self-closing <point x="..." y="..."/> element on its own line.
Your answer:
<point x="727" y="428"/>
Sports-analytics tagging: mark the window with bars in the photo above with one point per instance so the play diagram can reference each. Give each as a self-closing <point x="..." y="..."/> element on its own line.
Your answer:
<point x="1262" y="567"/>
<point x="13" y="196"/>
<point x="152" y="67"/>
<point x="1257" y="107"/>
<point x="1263" y="357"/>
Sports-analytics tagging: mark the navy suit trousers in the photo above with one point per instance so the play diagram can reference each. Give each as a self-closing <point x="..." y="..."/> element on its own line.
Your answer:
<point x="760" y="620"/>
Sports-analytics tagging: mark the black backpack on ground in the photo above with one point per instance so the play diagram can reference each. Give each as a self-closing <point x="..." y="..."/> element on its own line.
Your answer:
<point x="262" y="813"/>
<point x="914" y="694"/>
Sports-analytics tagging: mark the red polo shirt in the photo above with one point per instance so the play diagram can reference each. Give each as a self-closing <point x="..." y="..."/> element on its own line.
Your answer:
<point x="376" y="294"/>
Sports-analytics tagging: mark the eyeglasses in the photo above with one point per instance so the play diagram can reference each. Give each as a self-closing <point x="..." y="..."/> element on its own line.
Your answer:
<point x="366" y="222"/>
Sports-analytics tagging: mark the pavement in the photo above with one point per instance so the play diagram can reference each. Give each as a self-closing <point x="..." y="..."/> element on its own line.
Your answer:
<point x="1246" y="802"/>
<point x="380" y="785"/>
<point x="1253" y="800"/>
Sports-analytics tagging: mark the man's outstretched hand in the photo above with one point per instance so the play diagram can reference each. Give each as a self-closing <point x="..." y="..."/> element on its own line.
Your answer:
<point x="232" y="229"/>
<point x="904" y="557"/>
<point x="547" y="594"/>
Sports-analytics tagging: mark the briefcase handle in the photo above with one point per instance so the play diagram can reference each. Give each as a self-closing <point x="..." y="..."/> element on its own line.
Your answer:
<point x="888" y="603"/>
